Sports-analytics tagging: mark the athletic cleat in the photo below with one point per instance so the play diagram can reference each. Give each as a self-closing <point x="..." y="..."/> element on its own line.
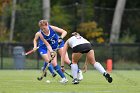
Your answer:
<point x="108" y="77"/>
<point x="80" y="75"/>
<point x="39" y="78"/>
<point x="75" y="81"/>
<point x="63" y="80"/>
<point x="54" y="74"/>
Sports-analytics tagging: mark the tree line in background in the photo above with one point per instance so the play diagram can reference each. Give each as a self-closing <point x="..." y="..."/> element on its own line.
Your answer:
<point x="92" y="18"/>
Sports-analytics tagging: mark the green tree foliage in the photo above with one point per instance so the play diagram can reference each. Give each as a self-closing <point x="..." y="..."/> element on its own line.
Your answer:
<point x="60" y="18"/>
<point x="3" y="33"/>
<point x="3" y="3"/>
<point x="91" y="31"/>
<point x="71" y="17"/>
<point x="69" y="14"/>
<point x="28" y="15"/>
<point x="127" y="38"/>
<point x="104" y="10"/>
<point x="3" y="29"/>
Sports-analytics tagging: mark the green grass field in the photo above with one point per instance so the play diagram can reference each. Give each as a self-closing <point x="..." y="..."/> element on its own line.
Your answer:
<point x="24" y="81"/>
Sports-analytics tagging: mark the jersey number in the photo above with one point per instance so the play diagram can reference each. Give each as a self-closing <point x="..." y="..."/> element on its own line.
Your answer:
<point x="52" y="41"/>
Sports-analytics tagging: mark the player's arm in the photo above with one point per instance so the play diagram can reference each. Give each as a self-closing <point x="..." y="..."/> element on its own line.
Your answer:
<point x="35" y="40"/>
<point x="53" y="53"/>
<point x="59" y="30"/>
<point x="64" y="53"/>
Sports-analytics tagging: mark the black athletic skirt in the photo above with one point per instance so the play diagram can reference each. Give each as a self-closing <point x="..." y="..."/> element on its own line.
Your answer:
<point x="82" y="48"/>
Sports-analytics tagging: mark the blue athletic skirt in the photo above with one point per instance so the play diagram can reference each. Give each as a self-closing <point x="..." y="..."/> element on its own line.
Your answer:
<point x="43" y="49"/>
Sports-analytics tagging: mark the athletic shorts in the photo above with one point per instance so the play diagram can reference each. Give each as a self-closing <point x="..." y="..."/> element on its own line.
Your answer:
<point x="55" y="46"/>
<point x="82" y="48"/>
<point x="43" y="49"/>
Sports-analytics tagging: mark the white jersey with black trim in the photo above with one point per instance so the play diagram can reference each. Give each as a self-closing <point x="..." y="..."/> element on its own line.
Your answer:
<point x="76" y="40"/>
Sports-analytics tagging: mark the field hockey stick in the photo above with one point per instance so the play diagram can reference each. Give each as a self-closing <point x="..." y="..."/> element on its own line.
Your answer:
<point x="68" y="74"/>
<point x="44" y="72"/>
<point x="85" y="67"/>
<point x="30" y="51"/>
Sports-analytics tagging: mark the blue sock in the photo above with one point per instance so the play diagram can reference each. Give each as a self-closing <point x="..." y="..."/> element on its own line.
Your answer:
<point x="59" y="71"/>
<point x="51" y="69"/>
<point x="44" y="66"/>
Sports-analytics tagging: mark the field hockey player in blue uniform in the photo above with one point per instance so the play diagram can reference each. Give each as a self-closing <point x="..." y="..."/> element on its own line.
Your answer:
<point x="47" y="39"/>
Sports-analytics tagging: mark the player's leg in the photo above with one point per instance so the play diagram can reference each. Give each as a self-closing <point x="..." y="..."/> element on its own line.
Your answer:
<point x="91" y="58"/>
<point x="46" y="58"/>
<point x="58" y="70"/>
<point x="50" y="68"/>
<point x="68" y="61"/>
<point x="45" y="55"/>
<point x="74" y="66"/>
<point x="79" y="72"/>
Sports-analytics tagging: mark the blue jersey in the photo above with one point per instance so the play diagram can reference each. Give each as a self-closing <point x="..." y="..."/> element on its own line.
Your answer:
<point x="52" y="39"/>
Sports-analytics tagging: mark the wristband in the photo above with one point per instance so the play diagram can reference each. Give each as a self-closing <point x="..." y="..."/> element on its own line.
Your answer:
<point x="60" y="38"/>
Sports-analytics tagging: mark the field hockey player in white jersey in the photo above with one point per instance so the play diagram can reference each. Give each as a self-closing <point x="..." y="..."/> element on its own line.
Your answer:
<point x="80" y="46"/>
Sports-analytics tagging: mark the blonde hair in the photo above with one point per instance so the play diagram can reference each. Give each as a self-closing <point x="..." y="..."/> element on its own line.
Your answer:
<point x="42" y="22"/>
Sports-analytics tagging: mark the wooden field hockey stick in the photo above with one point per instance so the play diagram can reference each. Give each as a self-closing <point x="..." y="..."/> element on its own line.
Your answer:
<point x="84" y="69"/>
<point x="44" y="72"/>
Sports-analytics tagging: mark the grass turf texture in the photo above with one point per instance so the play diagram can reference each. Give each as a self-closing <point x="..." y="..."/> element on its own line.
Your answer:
<point x="25" y="81"/>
